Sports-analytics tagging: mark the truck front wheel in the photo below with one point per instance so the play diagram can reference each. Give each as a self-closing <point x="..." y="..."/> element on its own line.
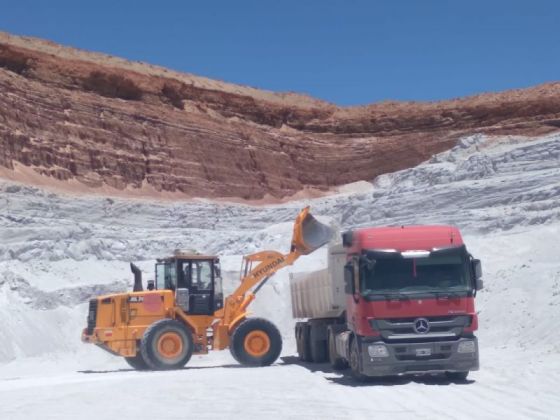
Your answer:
<point x="457" y="376"/>
<point x="337" y="362"/>
<point x="355" y="361"/>
<point x="256" y="342"/>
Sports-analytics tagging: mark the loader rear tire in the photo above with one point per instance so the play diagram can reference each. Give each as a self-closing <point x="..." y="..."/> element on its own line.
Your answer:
<point x="256" y="342"/>
<point x="166" y="344"/>
<point x="137" y="362"/>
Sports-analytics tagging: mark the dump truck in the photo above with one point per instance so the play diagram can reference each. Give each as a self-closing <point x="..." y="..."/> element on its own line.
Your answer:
<point x="393" y="300"/>
<point x="184" y="312"/>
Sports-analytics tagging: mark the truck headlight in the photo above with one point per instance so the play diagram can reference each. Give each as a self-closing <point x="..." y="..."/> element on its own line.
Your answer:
<point x="466" y="347"/>
<point x="378" y="350"/>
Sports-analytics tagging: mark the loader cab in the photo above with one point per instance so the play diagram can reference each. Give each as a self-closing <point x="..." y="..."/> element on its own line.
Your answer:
<point x="196" y="280"/>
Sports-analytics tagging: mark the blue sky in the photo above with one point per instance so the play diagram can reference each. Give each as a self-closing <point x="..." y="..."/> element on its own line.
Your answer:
<point x="346" y="52"/>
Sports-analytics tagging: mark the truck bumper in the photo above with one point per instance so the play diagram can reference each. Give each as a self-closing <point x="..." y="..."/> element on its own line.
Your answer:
<point x="434" y="357"/>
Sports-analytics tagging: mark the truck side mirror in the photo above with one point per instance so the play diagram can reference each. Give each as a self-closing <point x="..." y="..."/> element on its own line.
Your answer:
<point x="477" y="270"/>
<point x="349" y="278"/>
<point x="347" y="239"/>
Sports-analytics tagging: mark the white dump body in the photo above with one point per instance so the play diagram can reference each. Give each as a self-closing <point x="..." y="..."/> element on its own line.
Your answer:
<point x="320" y="294"/>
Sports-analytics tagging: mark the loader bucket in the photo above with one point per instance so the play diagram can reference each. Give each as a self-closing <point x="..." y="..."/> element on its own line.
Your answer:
<point x="309" y="233"/>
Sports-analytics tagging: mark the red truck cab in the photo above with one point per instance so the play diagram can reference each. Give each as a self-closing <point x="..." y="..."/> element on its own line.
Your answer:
<point x="409" y="304"/>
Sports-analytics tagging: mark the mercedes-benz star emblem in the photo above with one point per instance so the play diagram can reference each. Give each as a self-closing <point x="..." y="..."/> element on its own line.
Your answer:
<point x="421" y="326"/>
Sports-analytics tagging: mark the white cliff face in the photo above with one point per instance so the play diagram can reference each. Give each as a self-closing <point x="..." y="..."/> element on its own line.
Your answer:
<point x="504" y="193"/>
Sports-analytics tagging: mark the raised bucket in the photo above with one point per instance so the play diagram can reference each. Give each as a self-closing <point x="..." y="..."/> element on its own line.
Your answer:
<point x="309" y="234"/>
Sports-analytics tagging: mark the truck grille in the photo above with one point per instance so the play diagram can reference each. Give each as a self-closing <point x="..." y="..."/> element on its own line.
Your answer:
<point x="92" y="316"/>
<point x="409" y="351"/>
<point x="440" y="328"/>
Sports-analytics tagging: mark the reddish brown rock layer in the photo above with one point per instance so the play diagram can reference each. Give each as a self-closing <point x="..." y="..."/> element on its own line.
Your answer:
<point x="100" y="120"/>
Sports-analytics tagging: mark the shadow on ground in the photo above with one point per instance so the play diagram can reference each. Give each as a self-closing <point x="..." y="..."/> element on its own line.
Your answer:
<point x="344" y="377"/>
<point x="234" y="366"/>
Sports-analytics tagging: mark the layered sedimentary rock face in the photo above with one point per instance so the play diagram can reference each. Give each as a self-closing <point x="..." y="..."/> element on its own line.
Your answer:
<point x="102" y="121"/>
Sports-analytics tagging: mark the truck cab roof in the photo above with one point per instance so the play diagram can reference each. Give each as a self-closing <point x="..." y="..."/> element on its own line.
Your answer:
<point x="404" y="238"/>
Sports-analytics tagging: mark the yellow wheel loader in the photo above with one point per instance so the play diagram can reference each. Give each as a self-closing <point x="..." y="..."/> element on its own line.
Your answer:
<point x="184" y="312"/>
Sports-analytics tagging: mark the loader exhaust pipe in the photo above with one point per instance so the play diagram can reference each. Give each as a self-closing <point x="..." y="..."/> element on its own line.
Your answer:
<point x="309" y="234"/>
<point x="137" y="278"/>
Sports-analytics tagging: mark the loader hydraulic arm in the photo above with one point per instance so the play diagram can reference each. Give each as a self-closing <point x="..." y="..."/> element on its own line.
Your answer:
<point x="308" y="235"/>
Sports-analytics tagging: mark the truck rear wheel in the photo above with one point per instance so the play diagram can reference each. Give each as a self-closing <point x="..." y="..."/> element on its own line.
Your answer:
<point x="166" y="344"/>
<point x="337" y="362"/>
<point x="303" y="341"/>
<point x="256" y="342"/>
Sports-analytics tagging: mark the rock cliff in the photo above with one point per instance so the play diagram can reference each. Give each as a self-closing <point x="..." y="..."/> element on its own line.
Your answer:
<point x="102" y="121"/>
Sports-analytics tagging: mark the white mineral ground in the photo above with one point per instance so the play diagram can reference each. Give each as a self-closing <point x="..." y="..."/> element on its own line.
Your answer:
<point x="57" y="250"/>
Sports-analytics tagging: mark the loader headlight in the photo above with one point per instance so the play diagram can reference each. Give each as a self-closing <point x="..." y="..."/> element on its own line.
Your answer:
<point x="378" y="350"/>
<point x="466" y="347"/>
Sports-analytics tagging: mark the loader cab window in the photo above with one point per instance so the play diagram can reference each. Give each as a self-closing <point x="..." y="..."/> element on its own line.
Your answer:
<point x="197" y="277"/>
<point x="218" y="293"/>
<point x="166" y="276"/>
<point x="202" y="275"/>
<point x="186" y="274"/>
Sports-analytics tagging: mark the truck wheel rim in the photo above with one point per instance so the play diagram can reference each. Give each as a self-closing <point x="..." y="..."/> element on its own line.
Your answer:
<point x="257" y="343"/>
<point x="170" y="345"/>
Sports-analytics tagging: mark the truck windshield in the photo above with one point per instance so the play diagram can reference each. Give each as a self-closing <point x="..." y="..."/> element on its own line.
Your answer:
<point x="448" y="272"/>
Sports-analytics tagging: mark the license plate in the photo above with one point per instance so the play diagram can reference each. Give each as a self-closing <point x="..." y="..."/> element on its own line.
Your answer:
<point x="423" y="352"/>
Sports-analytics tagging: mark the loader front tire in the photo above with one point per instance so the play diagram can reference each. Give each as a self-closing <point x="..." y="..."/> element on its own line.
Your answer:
<point x="256" y="342"/>
<point x="167" y="344"/>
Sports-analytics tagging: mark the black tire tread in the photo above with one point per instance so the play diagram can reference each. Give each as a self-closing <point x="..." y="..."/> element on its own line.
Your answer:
<point x="337" y="363"/>
<point x="306" y="356"/>
<point x="149" y="334"/>
<point x="457" y="376"/>
<point x="137" y="362"/>
<point x="356" y="374"/>
<point x="237" y="349"/>
<point x="318" y="350"/>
